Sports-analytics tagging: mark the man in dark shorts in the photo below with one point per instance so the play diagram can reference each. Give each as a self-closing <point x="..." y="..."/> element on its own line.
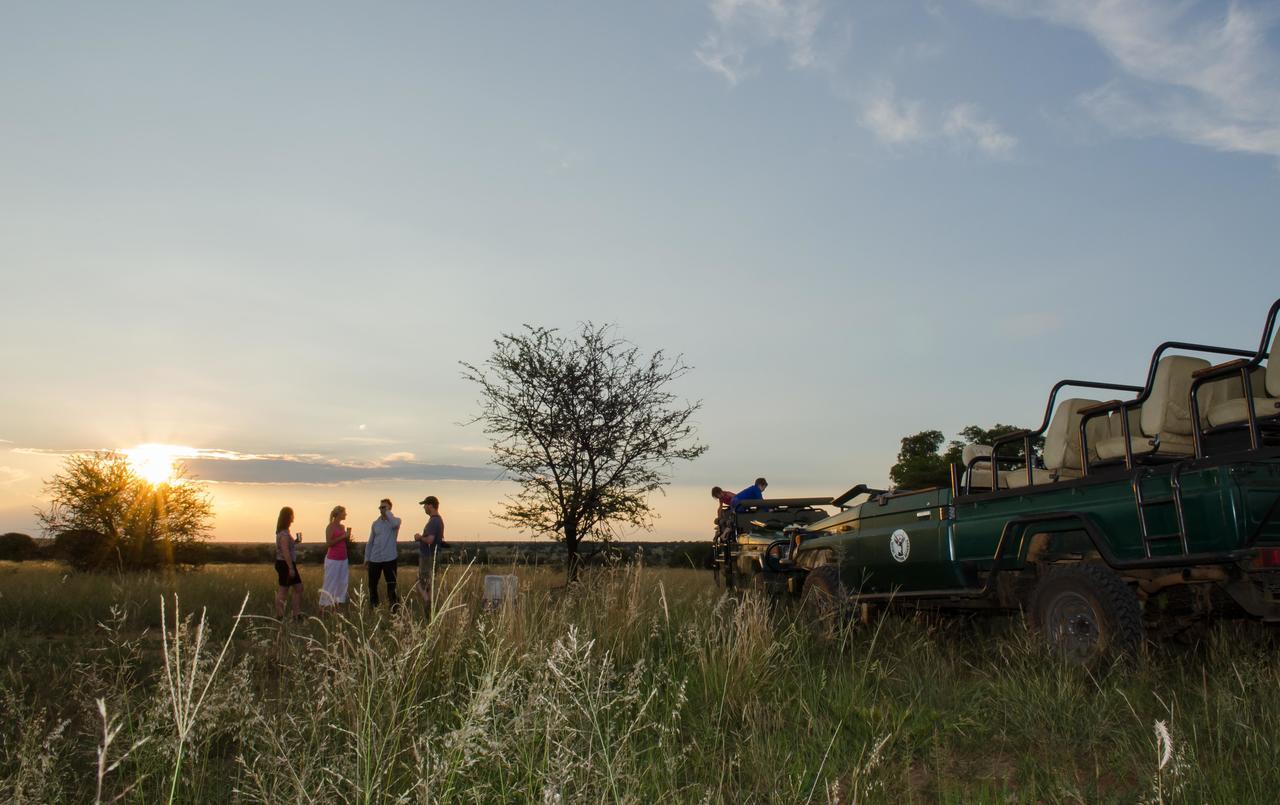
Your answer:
<point x="429" y="541"/>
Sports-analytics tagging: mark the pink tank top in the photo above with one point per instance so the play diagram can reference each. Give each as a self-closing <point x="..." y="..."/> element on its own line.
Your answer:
<point x="339" y="549"/>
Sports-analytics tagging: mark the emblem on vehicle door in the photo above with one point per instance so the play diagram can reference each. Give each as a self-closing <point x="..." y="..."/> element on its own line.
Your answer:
<point x="900" y="545"/>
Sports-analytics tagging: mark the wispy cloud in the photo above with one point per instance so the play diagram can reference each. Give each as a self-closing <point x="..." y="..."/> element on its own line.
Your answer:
<point x="11" y="475"/>
<point x="1201" y="73"/>
<point x="232" y="467"/>
<point x="890" y="120"/>
<point x="966" y="125"/>
<point x="743" y="24"/>
<point x="311" y="470"/>
<point x="895" y="121"/>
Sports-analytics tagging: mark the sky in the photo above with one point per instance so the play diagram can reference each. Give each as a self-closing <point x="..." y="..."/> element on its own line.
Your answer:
<point x="271" y="231"/>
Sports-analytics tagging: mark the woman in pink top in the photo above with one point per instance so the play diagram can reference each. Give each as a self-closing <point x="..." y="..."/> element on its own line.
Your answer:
<point x="336" y="569"/>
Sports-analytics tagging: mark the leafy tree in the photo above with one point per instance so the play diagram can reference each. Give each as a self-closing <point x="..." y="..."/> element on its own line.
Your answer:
<point x="920" y="464"/>
<point x="103" y="515"/>
<point x="586" y="425"/>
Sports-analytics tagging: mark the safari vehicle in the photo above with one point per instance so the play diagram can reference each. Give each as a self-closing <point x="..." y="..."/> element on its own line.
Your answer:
<point x="1156" y="509"/>
<point x="743" y="535"/>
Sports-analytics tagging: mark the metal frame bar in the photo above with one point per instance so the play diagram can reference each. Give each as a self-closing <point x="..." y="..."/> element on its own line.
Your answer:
<point x="1027" y="435"/>
<point x="1124" y="406"/>
<point x="1246" y="381"/>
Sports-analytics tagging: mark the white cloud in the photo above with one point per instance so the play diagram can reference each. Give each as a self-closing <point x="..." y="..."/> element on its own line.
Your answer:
<point x="1201" y="73"/>
<point x="11" y="475"/>
<point x="966" y="125"/>
<point x="743" y="24"/>
<point x="230" y="466"/>
<point x="892" y="121"/>
<point x="895" y="121"/>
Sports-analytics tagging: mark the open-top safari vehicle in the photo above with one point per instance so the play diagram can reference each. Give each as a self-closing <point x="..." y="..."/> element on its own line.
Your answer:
<point x="1158" y="508"/>
<point x="744" y="532"/>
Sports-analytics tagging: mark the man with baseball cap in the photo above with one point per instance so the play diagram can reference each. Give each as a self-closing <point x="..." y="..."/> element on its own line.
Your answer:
<point x="429" y="541"/>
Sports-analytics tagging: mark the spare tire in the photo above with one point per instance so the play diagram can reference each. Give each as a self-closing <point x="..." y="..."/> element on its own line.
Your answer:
<point x="1086" y="612"/>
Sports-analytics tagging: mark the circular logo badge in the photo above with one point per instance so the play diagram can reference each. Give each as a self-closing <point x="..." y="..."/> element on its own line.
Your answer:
<point x="900" y="545"/>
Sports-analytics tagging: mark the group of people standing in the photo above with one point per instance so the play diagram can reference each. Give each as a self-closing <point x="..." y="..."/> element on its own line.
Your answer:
<point x="381" y="556"/>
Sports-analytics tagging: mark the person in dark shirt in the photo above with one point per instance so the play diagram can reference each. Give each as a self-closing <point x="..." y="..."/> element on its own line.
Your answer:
<point x="753" y="492"/>
<point x="429" y="542"/>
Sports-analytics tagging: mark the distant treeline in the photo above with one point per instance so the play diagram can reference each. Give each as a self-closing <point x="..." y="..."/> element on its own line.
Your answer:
<point x="656" y="554"/>
<point x="20" y="547"/>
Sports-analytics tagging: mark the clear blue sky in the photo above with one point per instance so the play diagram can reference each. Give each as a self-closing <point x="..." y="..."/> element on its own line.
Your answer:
<point x="273" y="229"/>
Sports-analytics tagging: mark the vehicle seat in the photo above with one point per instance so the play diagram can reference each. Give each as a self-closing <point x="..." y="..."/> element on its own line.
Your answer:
<point x="1062" y="439"/>
<point x="980" y="475"/>
<point x="1231" y="408"/>
<point x="1165" y="417"/>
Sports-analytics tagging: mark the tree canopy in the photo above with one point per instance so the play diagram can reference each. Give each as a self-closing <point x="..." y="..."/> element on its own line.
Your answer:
<point x="105" y="516"/>
<point x="922" y="464"/>
<point x="587" y="425"/>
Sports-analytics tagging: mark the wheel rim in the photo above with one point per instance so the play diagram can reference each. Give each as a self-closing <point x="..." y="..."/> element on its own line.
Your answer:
<point x="1073" y="626"/>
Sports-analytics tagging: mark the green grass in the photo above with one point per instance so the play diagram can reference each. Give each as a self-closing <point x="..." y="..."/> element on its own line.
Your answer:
<point x="637" y="686"/>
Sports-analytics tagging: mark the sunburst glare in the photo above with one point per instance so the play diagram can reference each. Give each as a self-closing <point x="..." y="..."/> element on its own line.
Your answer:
<point x="155" y="463"/>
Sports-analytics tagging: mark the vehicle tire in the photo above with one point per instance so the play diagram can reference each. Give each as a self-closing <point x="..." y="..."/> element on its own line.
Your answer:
<point x="1086" y="612"/>
<point x="824" y="601"/>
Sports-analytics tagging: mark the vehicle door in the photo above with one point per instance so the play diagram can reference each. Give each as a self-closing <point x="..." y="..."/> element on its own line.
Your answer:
<point x="903" y="543"/>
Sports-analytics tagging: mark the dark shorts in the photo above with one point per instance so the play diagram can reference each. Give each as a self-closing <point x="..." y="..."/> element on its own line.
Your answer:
<point x="282" y="574"/>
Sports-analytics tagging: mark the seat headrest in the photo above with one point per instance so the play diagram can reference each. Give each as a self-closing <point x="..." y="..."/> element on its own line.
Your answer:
<point x="1168" y="409"/>
<point x="1062" y="440"/>
<point x="972" y="451"/>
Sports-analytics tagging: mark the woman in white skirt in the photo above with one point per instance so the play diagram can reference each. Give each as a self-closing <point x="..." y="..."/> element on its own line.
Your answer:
<point x="336" y="573"/>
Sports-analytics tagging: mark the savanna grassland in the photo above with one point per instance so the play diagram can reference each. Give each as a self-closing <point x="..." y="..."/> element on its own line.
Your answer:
<point x="637" y="685"/>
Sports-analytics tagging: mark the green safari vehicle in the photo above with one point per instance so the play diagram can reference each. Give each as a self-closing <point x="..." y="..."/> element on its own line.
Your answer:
<point x="1159" y="508"/>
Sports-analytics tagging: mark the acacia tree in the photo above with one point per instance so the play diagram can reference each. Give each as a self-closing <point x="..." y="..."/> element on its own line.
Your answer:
<point x="586" y="425"/>
<point x="108" y="516"/>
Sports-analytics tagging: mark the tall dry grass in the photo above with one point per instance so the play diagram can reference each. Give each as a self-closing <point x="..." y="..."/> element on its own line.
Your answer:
<point x="634" y="686"/>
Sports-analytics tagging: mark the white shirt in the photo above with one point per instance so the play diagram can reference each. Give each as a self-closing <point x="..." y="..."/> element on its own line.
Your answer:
<point x="382" y="540"/>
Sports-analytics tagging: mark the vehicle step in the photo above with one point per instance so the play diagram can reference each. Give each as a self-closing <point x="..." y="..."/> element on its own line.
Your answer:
<point x="1154" y="501"/>
<point x="1162" y="537"/>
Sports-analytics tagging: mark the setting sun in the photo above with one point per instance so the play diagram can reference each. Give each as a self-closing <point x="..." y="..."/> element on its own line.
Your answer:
<point x="154" y="463"/>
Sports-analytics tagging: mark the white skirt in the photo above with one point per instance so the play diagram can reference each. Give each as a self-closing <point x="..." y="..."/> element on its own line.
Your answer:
<point x="336" y="577"/>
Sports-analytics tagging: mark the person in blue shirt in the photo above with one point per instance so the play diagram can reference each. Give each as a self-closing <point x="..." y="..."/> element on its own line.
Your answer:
<point x="753" y="492"/>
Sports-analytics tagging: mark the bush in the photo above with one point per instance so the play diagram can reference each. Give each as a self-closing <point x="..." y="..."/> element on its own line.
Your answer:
<point x="17" y="547"/>
<point x="82" y="549"/>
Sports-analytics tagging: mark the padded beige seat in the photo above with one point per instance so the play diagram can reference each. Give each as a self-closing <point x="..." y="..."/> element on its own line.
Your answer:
<point x="1231" y="411"/>
<point x="980" y="474"/>
<point x="1231" y="408"/>
<point x="1062" y="439"/>
<point x="1166" y="414"/>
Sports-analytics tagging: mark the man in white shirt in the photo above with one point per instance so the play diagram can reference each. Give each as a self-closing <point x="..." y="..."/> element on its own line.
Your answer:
<point x="381" y="554"/>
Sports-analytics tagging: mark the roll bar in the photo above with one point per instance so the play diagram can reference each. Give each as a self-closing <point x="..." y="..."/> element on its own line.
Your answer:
<point x="1028" y="435"/>
<point x="1125" y="406"/>
<point x="1245" y="370"/>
